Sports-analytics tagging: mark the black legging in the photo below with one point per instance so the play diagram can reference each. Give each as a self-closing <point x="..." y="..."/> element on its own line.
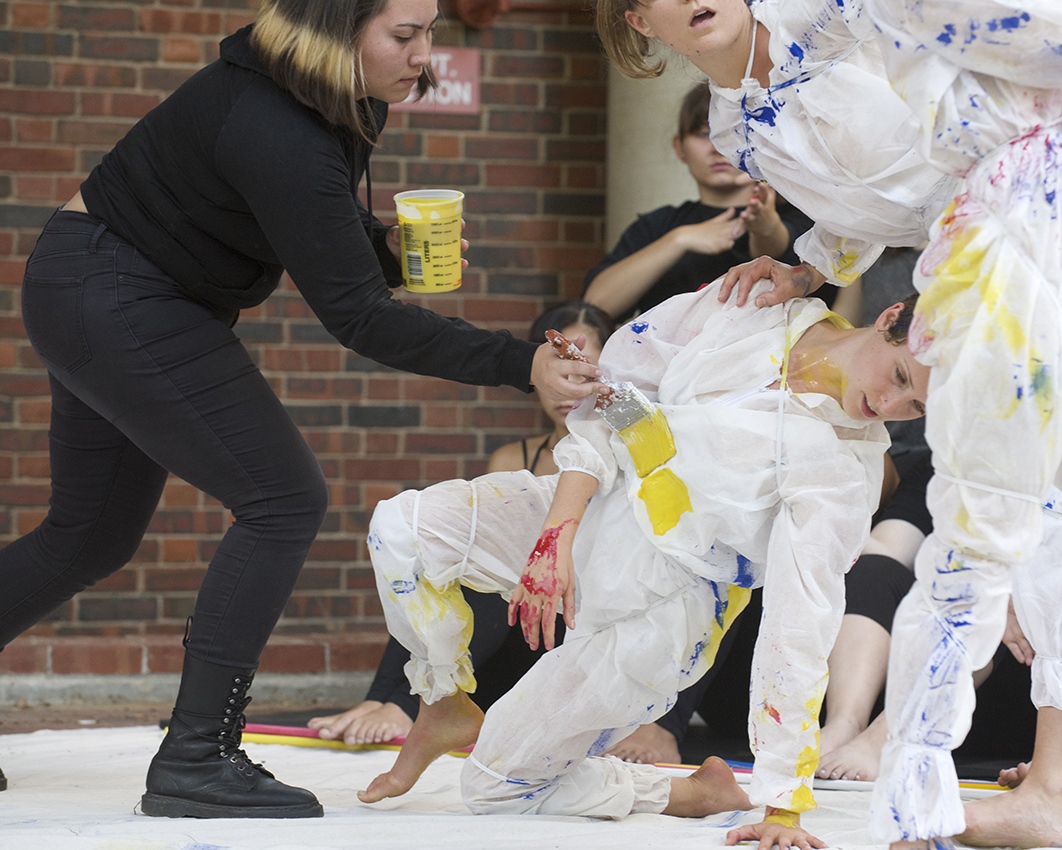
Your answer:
<point x="145" y="380"/>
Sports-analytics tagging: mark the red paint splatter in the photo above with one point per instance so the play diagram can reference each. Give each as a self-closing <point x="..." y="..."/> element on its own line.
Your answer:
<point x="546" y="550"/>
<point x="773" y="712"/>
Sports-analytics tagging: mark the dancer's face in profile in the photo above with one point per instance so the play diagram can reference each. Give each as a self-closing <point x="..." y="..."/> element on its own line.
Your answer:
<point x="692" y="27"/>
<point x="886" y="383"/>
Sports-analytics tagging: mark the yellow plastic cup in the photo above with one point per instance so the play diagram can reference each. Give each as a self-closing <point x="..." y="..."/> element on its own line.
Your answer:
<point x="430" y="224"/>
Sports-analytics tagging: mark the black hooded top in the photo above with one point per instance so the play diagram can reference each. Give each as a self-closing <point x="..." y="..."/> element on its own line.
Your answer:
<point x="231" y="180"/>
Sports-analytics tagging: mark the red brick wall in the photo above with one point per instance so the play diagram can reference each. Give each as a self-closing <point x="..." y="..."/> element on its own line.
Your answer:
<point x="73" y="79"/>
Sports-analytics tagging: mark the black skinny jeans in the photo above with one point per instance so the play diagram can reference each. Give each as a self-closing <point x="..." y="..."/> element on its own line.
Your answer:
<point x="146" y="380"/>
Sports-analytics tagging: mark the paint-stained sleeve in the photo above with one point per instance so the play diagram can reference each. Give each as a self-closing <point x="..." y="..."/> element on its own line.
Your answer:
<point x="822" y="524"/>
<point x="1021" y="43"/>
<point x="842" y="260"/>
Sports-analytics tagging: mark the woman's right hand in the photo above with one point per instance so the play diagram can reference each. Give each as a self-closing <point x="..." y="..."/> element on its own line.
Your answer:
<point x="789" y="281"/>
<point x="547" y="585"/>
<point x="561" y="379"/>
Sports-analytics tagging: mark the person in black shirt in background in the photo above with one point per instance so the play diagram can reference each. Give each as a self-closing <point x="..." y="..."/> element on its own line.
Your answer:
<point x="251" y="167"/>
<point x="679" y="249"/>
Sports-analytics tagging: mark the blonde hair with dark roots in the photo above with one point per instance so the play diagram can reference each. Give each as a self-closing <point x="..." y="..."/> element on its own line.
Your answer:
<point x="627" y="48"/>
<point x="311" y="48"/>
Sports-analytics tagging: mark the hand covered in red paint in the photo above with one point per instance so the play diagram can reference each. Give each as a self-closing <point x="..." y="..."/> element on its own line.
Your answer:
<point x="778" y="827"/>
<point x="547" y="585"/>
<point x="789" y="281"/>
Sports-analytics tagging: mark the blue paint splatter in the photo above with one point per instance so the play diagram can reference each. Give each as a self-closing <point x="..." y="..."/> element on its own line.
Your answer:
<point x="744" y="577"/>
<point x="1012" y="22"/>
<point x="797" y="53"/>
<point x="602" y="743"/>
<point x="765" y="114"/>
<point x="639" y="327"/>
<point x="697" y="650"/>
<point x="948" y="34"/>
<point x="402" y="586"/>
<point x="1040" y="382"/>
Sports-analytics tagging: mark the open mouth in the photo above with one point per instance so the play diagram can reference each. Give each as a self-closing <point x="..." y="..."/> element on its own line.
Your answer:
<point x="701" y="17"/>
<point x="867" y="410"/>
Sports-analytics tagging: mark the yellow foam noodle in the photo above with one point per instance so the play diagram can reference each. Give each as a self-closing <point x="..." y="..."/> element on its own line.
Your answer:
<point x="666" y="498"/>
<point x="321" y="743"/>
<point x="317" y="743"/>
<point x="650" y="442"/>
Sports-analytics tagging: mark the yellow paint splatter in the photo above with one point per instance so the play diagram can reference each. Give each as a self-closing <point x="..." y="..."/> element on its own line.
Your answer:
<point x="736" y="600"/>
<point x="666" y="498"/>
<point x="953" y="277"/>
<point x="843" y="268"/>
<point x="650" y="442"/>
<point x="803" y="799"/>
<point x="432" y="610"/>
<point x="781" y="816"/>
<point x="807" y="761"/>
<point x="962" y="519"/>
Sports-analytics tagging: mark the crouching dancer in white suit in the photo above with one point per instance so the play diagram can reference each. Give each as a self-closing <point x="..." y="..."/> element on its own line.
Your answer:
<point x="765" y="440"/>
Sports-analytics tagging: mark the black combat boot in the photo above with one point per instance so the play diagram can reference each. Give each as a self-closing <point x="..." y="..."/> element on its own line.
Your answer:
<point x="3" y="781"/>
<point x="200" y="770"/>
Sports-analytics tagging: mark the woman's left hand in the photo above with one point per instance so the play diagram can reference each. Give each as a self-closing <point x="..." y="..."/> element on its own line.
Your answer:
<point x="394" y="242"/>
<point x="557" y="379"/>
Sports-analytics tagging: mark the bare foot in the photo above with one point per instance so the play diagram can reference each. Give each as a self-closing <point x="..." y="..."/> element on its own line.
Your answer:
<point x="860" y="758"/>
<point x="371" y="722"/>
<point x="837" y="732"/>
<point x="449" y="724"/>
<point x="649" y="744"/>
<point x="710" y="789"/>
<point x="1028" y="816"/>
<point x="1012" y="777"/>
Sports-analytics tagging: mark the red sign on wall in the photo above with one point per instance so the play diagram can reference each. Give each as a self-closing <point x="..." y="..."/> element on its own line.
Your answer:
<point x="457" y="69"/>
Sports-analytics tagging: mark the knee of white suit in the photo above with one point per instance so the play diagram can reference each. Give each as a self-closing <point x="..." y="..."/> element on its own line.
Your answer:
<point x="390" y="538"/>
<point x="602" y="787"/>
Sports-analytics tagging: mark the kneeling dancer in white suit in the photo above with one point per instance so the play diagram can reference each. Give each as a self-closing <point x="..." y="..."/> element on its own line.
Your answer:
<point x="765" y="440"/>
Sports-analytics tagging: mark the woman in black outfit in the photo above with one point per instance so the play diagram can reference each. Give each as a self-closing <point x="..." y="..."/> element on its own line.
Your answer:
<point x="252" y="166"/>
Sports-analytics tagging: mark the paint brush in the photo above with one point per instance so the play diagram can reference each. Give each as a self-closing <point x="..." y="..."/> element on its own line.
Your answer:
<point x="638" y="422"/>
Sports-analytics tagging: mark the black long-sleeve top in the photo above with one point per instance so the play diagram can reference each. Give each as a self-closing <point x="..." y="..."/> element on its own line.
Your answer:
<point x="231" y="180"/>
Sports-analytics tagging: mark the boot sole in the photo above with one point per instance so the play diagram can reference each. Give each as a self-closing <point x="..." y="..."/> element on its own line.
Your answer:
<point x="158" y="806"/>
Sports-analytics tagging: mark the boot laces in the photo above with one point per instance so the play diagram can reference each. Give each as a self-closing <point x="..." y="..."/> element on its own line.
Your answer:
<point x="230" y="735"/>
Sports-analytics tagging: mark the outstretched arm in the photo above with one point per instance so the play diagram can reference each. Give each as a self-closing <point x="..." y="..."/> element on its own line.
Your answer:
<point x="548" y="582"/>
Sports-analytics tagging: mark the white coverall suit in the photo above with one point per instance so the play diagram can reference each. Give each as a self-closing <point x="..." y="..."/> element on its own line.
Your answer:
<point x="788" y="480"/>
<point x="972" y="120"/>
<point x="984" y="78"/>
